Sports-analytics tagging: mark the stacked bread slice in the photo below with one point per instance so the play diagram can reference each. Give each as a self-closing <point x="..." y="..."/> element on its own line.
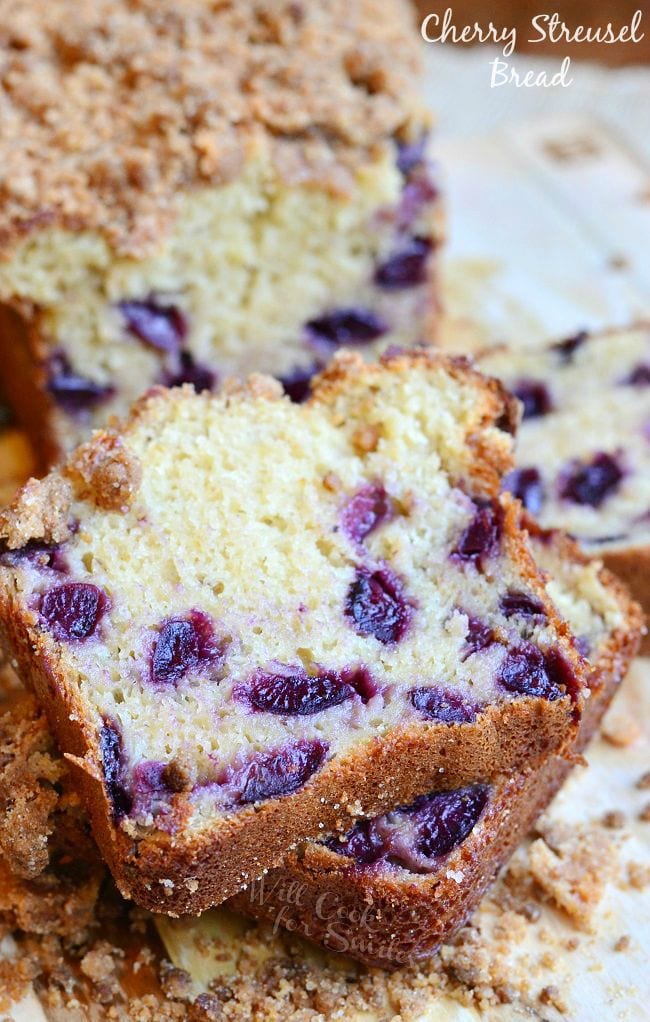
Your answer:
<point x="253" y="622"/>
<point x="392" y="889"/>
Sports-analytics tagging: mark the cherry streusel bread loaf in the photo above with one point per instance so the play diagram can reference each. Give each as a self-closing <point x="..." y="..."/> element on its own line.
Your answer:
<point x="394" y="888"/>
<point x="583" y="449"/>
<point x="193" y="190"/>
<point x="251" y="620"/>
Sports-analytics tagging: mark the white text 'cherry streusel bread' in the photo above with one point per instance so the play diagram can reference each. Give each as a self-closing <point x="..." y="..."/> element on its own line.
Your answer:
<point x="194" y="190"/>
<point x="583" y="449"/>
<point x="252" y="621"/>
<point x="394" y="888"/>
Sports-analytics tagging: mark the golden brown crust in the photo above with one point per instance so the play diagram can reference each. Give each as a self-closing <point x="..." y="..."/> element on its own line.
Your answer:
<point x="109" y="114"/>
<point x="389" y="921"/>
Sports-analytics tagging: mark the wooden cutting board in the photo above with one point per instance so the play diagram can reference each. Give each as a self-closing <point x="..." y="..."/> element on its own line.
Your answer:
<point x="549" y="233"/>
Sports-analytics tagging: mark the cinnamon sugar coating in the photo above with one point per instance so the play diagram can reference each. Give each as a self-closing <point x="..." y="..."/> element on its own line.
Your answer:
<point x="108" y="111"/>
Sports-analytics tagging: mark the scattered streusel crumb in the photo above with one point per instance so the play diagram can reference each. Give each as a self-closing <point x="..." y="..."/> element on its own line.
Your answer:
<point x="623" y="943"/>
<point x="621" y="731"/>
<point x="614" y="819"/>
<point x="551" y="996"/>
<point x="644" y="781"/>
<point x="638" y="875"/>
<point x="573" y="873"/>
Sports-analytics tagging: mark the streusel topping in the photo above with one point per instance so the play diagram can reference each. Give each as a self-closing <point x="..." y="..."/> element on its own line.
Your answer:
<point x="109" y="107"/>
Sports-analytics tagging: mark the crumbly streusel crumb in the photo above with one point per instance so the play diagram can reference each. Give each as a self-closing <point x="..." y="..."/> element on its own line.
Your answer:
<point x="104" y="116"/>
<point x="573" y="869"/>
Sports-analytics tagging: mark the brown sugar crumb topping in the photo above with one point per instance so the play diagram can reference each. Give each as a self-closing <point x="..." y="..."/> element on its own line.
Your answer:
<point x="573" y="869"/>
<point x="107" y="114"/>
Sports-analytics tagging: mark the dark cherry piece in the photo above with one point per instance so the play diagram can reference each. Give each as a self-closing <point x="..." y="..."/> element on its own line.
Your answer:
<point x="189" y="371"/>
<point x="481" y="538"/>
<point x="183" y="644"/>
<point x="279" y="772"/>
<point x="443" y="821"/>
<point x="163" y="327"/>
<point x="410" y="155"/>
<point x="290" y="691"/>
<point x="522" y="604"/>
<point x="526" y="484"/>
<point x="567" y="348"/>
<point x="366" y="511"/>
<point x="40" y="555"/>
<point x="535" y="397"/>
<point x="590" y="483"/>
<point x="151" y="793"/>
<point x="406" y="267"/>
<point x="376" y="605"/>
<point x="344" y="327"/>
<point x="362" y="843"/>
<point x="296" y="383"/>
<point x="72" y="392"/>
<point x="73" y="610"/>
<point x="640" y="375"/>
<point x="527" y="671"/>
<point x="417" y="193"/>
<point x="436" y="703"/>
<point x="479" y="636"/>
<point x="110" y="747"/>
<point x="416" y="836"/>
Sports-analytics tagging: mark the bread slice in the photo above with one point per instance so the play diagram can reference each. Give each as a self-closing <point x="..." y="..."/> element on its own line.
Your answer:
<point x="251" y="621"/>
<point x="191" y="191"/>
<point x="583" y="451"/>
<point x="393" y="889"/>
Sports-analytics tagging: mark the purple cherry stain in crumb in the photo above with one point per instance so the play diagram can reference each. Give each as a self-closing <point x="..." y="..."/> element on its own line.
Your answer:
<point x="590" y="483"/>
<point x="535" y="397"/>
<point x="290" y="691"/>
<point x="279" y="772"/>
<point x="406" y="267"/>
<point x="183" y="644"/>
<point x="435" y="703"/>
<point x="72" y="392"/>
<point x="345" y="327"/>
<point x="411" y="155"/>
<point x="526" y="484"/>
<point x="366" y="511"/>
<point x="480" y="539"/>
<point x="640" y="376"/>
<point x="522" y="604"/>
<point x="567" y="348"/>
<point x="39" y="555"/>
<point x="527" y="671"/>
<point x="479" y="636"/>
<point x="163" y="327"/>
<point x="110" y="747"/>
<point x="73" y="610"/>
<point x="151" y="793"/>
<point x="376" y="605"/>
<point x="189" y="371"/>
<point x="297" y="383"/>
